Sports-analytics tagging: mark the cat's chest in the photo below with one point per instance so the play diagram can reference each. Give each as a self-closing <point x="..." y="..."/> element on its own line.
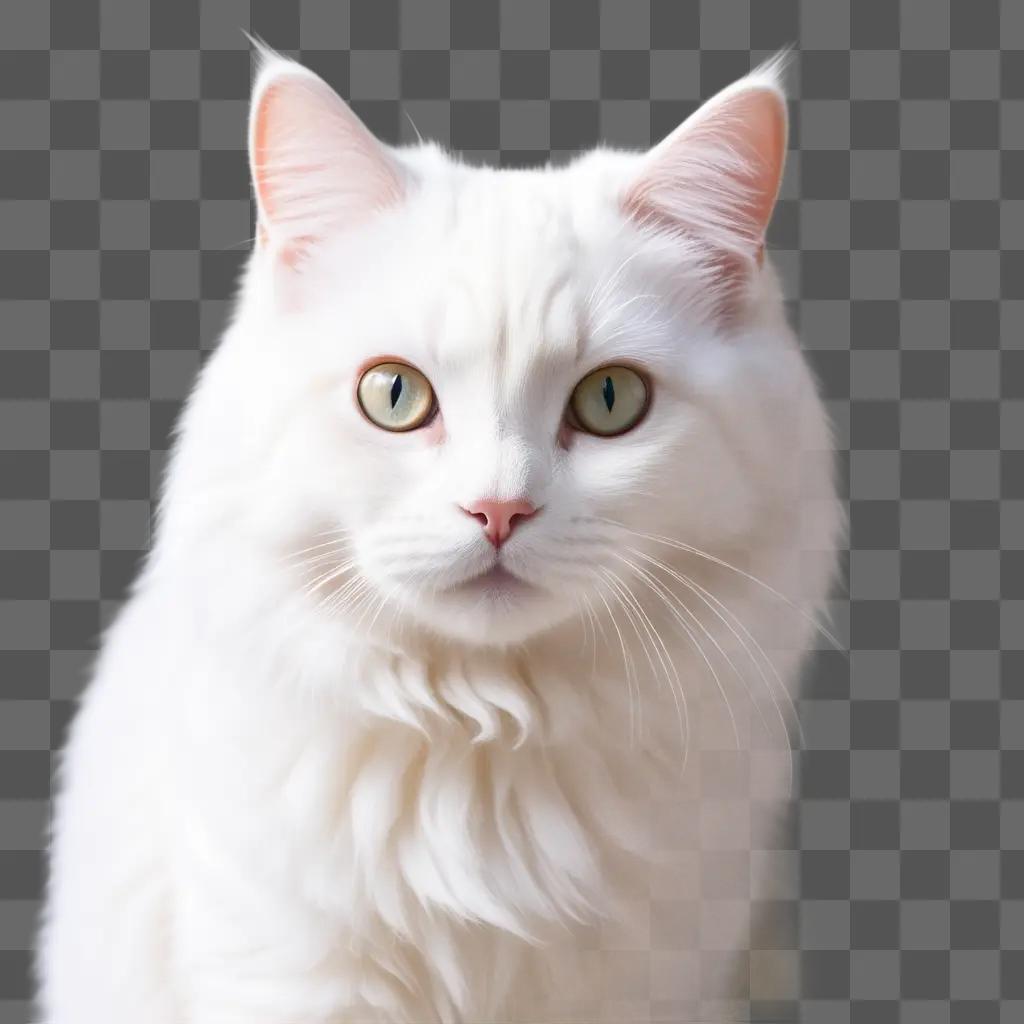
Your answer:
<point x="367" y="817"/>
<point x="490" y="792"/>
<point x="491" y="832"/>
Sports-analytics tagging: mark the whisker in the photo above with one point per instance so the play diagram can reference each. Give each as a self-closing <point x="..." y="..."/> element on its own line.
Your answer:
<point x="631" y="618"/>
<point x="759" y="649"/>
<point x="387" y="597"/>
<point x="649" y="628"/>
<point x="362" y="604"/>
<point x="332" y="531"/>
<point x="337" y="542"/>
<point x="630" y="668"/>
<point x="595" y="624"/>
<point x="328" y="577"/>
<point x="709" y="598"/>
<point x="317" y="560"/>
<point x="375" y="601"/>
<point x="696" y="620"/>
<point x="584" y="630"/>
<point x="677" y="691"/>
<point x="682" y="546"/>
<point x="721" y="689"/>
<point x="665" y="590"/>
<point x="333" y="603"/>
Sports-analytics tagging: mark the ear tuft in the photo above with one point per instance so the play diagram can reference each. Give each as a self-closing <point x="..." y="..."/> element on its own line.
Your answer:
<point x="316" y="168"/>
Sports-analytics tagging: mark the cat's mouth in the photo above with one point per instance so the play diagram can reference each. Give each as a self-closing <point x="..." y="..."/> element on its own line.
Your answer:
<point x="496" y="581"/>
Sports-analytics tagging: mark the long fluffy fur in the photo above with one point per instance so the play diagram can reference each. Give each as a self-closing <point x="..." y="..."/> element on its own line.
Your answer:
<point x="314" y="778"/>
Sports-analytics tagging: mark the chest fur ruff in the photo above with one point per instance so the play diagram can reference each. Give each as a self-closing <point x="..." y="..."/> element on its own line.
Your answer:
<point x="433" y="837"/>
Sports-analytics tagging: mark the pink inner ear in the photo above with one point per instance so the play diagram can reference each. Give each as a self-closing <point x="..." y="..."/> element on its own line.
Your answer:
<point x="714" y="181"/>
<point x="763" y="118"/>
<point x="716" y="178"/>
<point x="276" y="122"/>
<point x="262" y="156"/>
<point x="316" y="167"/>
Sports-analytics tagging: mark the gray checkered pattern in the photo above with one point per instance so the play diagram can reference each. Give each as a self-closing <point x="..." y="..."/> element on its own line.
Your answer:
<point x="124" y="219"/>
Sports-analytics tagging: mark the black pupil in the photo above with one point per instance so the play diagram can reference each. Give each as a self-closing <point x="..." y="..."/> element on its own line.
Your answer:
<point x="609" y="393"/>
<point x="396" y="390"/>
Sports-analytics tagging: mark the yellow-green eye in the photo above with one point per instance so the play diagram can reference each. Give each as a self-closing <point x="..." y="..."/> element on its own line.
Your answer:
<point x="395" y="396"/>
<point x="609" y="401"/>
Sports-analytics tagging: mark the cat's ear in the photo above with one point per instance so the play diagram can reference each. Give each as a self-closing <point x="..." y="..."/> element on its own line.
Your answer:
<point x="316" y="168"/>
<point x="715" y="179"/>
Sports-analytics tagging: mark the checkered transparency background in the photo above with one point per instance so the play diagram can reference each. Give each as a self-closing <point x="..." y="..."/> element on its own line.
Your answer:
<point x="124" y="218"/>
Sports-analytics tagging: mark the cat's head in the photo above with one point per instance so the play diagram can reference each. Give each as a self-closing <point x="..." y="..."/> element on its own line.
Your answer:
<point x="464" y="396"/>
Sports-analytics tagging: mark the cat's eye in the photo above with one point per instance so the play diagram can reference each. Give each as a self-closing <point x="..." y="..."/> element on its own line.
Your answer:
<point x="395" y="396"/>
<point x="609" y="401"/>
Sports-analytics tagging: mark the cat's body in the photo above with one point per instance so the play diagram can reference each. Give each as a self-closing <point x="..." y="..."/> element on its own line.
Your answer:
<point x="317" y="780"/>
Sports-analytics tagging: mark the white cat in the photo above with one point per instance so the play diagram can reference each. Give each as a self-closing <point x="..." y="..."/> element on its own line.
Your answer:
<point x="449" y="669"/>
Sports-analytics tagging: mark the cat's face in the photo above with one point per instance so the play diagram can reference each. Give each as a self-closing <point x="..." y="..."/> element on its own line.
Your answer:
<point x="490" y="386"/>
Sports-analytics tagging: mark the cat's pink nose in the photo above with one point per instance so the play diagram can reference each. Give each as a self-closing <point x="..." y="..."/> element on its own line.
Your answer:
<point x="499" y="518"/>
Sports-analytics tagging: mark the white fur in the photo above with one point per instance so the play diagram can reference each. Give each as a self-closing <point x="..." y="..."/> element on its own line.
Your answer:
<point x="396" y="798"/>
